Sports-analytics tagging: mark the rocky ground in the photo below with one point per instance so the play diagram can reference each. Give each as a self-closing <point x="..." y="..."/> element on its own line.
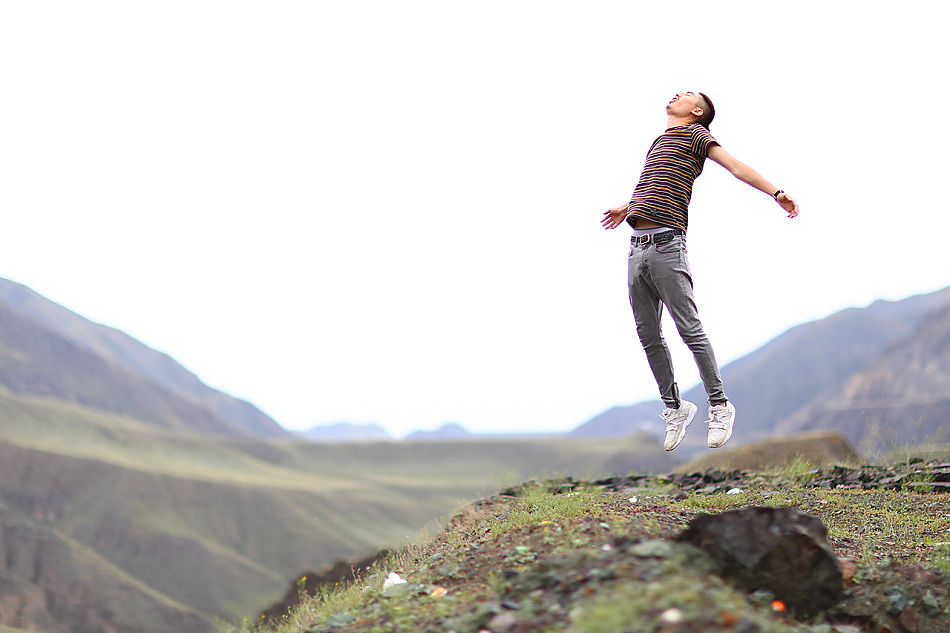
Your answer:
<point x="606" y="556"/>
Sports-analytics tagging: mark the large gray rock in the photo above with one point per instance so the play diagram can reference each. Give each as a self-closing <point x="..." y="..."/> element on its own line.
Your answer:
<point x="781" y="550"/>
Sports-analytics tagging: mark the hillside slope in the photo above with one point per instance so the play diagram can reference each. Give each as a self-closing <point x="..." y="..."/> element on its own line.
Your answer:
<point x="902" y="397"/>
<point x="608" y="556"/>
<point x="39" y="362"/>
<point x="51" y="584"/>
<point x="186" y="524"/>
<point x="125" y="352"/>
<point x="140" y="499"/>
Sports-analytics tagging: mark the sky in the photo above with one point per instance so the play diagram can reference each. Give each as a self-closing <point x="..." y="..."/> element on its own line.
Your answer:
<point x="388" y="212"/>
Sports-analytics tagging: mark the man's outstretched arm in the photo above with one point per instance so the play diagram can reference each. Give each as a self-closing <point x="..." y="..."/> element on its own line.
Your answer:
<point x="751" y="177"/>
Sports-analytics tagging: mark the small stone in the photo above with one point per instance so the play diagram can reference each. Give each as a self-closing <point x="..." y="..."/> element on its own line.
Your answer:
<point x="909" y="620"/>
<point x="392" y="580"/>
<point x="653" y="548"/>
<point x="502" y="622"/>
<point x="747" y="625"/>
<point x="672" y="616"/>
<point x="848" y="568"/>
<point x="340" y="619"/>
<point x="896" y="601"/>
<point x="930" y="604"/>
<point x="916" y="573"/>
<point x="728" y="618"/>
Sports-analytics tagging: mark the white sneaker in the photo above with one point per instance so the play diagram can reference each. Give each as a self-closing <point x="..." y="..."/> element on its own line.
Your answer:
<point x="676" y="422"/>
<point x="720" y="422"/>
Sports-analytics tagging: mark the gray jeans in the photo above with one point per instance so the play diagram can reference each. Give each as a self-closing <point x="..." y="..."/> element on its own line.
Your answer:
<point x="658" y="275"/>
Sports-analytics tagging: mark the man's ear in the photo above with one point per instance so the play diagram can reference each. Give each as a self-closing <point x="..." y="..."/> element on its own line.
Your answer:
<point x="697" y="112"/>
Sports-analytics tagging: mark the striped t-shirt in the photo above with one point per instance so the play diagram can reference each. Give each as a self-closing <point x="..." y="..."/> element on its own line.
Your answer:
<point x="666" y="184"/>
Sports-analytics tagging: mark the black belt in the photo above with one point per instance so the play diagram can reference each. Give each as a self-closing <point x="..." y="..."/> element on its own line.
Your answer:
<point x="655" y="238"/>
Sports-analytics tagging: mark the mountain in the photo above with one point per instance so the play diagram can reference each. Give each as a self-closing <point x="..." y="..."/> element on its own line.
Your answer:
<point x="146" y="375"/>
<point x="345" y="432"/>
<point x="37" y="362"/>
<point x="450" y="431"/>
<point x="796" y="369"/>
<point x="902" y="397"/>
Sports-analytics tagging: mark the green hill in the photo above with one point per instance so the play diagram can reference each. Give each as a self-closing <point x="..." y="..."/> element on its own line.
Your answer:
<point x="189" y="528"/>
<point x="135" y="499"/>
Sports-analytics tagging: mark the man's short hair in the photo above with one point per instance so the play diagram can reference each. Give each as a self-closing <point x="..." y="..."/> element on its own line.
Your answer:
<point x="709" y="111"/>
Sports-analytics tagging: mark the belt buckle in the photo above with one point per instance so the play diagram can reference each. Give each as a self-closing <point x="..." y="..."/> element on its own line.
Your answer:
<point x="644" y="239"/>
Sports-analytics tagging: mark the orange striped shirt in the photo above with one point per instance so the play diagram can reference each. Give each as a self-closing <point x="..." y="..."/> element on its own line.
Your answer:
<point x="666" y="183"/>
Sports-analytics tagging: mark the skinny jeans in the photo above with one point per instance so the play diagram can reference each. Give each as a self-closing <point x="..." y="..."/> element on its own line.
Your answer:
<point x="658" y="275"/>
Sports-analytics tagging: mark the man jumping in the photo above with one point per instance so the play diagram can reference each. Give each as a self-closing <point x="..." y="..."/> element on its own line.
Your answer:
<point x="658" y="269"/>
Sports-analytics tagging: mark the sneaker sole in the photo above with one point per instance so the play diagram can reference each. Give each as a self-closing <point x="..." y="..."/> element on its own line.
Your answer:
<point x="720" y="444"/>
<point x="682" y="433"/>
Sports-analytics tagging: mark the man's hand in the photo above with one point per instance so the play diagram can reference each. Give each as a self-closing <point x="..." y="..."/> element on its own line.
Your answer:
<point x="790" y="206"/>
<point x="751" y="177"/>
<point x="614" y="217"/>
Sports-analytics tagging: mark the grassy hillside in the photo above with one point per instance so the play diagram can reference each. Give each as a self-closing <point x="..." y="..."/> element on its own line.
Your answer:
<point x="55" y="584"/>
<point x="217" y="526"/>
<point x="812" y="448"/>
<point x="598" y="557"/>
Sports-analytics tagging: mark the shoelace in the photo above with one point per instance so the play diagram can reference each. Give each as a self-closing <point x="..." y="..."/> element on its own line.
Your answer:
<point x="714" y="419"/>
<point x="668" y="415"/>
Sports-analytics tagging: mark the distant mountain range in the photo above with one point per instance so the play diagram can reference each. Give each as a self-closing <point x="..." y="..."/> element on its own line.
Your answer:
<point x="346" y="432"/>
<point x="880" y="375"/>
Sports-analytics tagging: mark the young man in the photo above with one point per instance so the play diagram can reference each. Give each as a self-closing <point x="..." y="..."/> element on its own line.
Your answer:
<point x="658" y="269"/>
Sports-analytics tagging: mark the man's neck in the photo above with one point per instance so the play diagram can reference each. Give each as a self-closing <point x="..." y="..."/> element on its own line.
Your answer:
<point x="676" y="121"/>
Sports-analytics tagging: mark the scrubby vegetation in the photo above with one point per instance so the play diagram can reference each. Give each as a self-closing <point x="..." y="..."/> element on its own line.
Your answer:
<point x="600" y="557"/>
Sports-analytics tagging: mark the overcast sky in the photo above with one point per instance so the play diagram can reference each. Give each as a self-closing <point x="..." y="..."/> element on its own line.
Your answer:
<point x="389" y="212"/>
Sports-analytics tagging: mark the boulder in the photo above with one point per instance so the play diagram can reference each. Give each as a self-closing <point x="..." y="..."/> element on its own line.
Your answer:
<point x="780" y="550"/>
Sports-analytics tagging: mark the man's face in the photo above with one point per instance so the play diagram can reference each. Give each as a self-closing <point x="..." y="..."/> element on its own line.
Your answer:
<point x="683" y="103"/>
